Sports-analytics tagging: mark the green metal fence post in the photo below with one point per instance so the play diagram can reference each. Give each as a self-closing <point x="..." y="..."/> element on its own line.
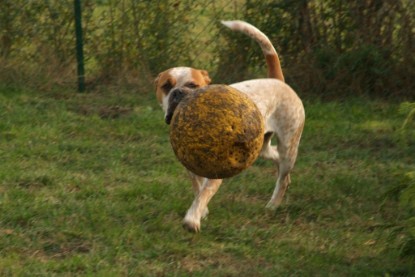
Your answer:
<point x="79" y="46"/>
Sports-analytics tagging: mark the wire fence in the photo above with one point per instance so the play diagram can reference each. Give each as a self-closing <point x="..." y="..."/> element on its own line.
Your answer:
<point x="331" y="48"/>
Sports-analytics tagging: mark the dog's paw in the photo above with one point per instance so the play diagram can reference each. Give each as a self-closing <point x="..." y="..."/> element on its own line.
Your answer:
<point x="191" y="226"/>
<point x="272" y="206"/>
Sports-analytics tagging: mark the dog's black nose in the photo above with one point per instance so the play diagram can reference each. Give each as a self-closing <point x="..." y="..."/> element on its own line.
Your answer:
<point x="176" y="93"/>
<point x="168" y="118"/>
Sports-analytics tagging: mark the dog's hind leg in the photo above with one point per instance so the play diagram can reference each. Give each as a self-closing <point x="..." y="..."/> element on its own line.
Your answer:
<point x="281" y="186"/>
<point x="192" y="219"/>
<point x="288" y="149"/>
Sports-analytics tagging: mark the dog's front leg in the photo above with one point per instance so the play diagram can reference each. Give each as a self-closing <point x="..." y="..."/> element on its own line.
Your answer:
<point x="198" y="183"/>
<point x="192" y="219"/>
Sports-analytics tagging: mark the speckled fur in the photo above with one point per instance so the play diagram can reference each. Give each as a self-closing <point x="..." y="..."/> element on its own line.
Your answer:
<point x="280" y="106"/>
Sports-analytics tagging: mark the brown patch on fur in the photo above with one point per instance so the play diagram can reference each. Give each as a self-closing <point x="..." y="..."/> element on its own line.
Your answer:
<point x="163" y="80"/>
<point x="274" y="67"/>
<point x="200" y="77"/>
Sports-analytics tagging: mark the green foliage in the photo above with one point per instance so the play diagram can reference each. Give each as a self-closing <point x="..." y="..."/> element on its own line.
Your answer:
<point x="406" y="133"/>
<point x="336" y="48"/>
<point x="124" y="41"/>
<point x="359" y="71"/>
<point x="407" y="192"/>
<point x="132" y="34"/>
<point x="331" y="48"/>
<point x="407" y="108"/>
<point x="407" y="201"/>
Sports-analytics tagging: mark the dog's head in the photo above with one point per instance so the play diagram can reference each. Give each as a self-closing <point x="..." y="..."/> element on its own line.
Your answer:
<point x="173" y="84"/>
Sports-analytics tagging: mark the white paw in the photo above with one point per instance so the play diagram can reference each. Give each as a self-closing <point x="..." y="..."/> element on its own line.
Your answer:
<point x="272" y="205"/>
<point x="191" y="225"/>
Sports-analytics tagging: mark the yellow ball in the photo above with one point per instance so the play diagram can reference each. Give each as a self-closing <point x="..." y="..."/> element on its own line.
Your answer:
<point x="216" y="131"/>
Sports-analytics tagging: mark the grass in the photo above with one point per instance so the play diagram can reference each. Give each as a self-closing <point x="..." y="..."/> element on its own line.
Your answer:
<point x="89" y="186"/>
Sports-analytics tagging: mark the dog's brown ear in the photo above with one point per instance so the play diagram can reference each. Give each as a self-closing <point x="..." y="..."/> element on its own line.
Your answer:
<point x="206" y="76"/>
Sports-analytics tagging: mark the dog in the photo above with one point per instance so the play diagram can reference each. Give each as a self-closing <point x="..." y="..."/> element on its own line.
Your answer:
<point x="280" y="106"/>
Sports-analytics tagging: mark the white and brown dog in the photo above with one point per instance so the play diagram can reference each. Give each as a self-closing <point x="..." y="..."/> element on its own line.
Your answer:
<point x="280" y="106"/>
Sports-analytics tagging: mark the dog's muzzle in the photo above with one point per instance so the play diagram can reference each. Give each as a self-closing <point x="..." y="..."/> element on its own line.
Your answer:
<point x="175" y="97"/>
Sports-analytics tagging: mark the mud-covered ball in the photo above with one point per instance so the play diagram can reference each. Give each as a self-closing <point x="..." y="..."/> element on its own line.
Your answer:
<point x="216" y="131"/>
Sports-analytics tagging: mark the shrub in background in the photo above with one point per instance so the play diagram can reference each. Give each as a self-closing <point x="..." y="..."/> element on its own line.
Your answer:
<point x="332" y="48"/>
<point x="124" y="40"/>
<point x="337" y="48"/>
<point x="407" y="189"/>
<point x="37" y="42"/>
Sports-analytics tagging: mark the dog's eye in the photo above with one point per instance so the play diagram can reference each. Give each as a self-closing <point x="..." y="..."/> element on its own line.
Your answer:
<point x="191" y="85"/>
<point x="167" y="87"/>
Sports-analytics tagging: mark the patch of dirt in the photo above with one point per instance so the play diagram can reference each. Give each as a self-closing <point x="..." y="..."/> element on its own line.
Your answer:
<point x="113" y="112"/>
<point x="105" y="112"/>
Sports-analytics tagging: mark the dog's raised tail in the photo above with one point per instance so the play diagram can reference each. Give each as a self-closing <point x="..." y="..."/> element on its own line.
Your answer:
<point x="271" y="56"/>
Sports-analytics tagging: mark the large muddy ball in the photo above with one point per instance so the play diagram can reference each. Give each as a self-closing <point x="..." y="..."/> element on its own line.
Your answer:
<point x="216" y="131"/>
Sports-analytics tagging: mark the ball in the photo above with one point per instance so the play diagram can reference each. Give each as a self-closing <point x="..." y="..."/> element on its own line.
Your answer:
<point x="216" y="131"/>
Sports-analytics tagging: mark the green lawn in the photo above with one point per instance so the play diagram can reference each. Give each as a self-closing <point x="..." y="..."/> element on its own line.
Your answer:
<point x="89" y="186"/>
